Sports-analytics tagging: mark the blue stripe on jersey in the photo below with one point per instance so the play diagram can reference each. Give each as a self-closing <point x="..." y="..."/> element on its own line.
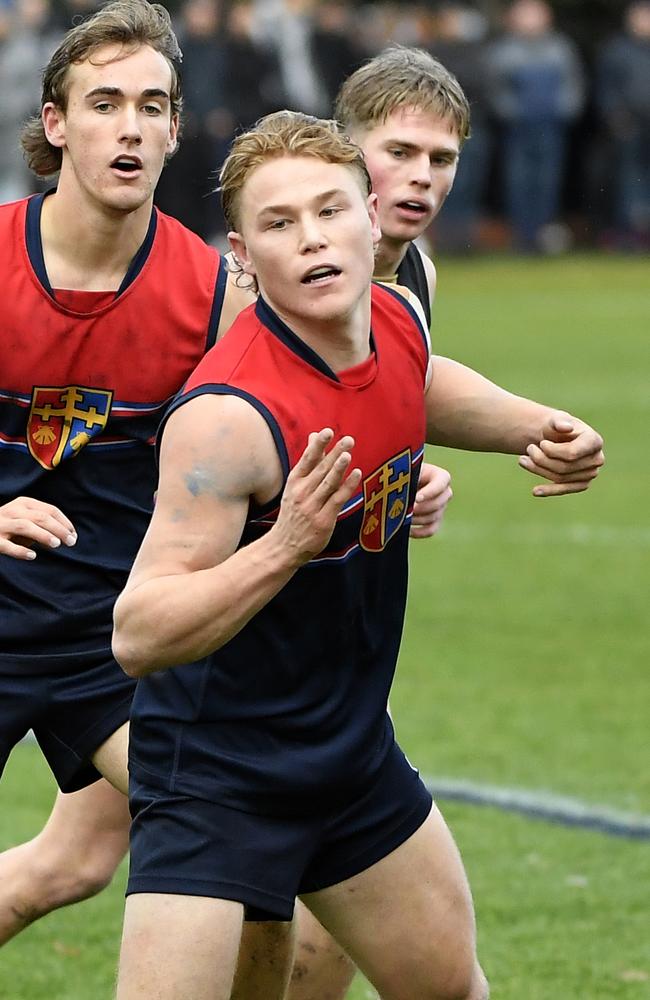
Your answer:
<point x="15" y="397"/>
<point x="217" y="303"/>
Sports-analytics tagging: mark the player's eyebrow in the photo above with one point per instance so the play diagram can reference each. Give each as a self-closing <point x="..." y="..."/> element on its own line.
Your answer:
<point x="106" y="91"/>
<point x="285" y="209"/>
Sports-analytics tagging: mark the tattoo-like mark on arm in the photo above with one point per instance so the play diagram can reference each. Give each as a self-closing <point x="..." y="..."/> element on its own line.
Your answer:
<point x="203" y="481"/>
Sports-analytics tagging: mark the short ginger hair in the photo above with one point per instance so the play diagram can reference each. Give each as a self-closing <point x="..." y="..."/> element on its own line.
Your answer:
<point x="285" y="133"/>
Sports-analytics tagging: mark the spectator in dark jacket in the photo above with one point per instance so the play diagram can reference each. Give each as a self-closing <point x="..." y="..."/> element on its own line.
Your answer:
<point x="623" y="101"/>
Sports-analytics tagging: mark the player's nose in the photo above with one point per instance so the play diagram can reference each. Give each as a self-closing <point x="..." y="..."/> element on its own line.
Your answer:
<point x="312" y="236"/>
<point x="130" y="127"/>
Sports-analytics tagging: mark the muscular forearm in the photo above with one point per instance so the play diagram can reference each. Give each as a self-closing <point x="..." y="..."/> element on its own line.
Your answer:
<point x="169" y="620"/>
<point x="466" y="410"/>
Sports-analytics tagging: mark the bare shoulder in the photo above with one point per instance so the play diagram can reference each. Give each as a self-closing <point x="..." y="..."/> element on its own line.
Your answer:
<point x="216" y="453"/>
<point x="219" y="447"/>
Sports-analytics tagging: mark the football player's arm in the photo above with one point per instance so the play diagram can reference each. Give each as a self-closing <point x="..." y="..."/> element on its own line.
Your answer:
<point x="466" y="410"/>
<point x="191" y="589"/>
<point x="25" y="522"/>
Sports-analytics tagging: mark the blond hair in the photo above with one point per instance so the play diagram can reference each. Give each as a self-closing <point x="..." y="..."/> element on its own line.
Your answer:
<point x="401" y="77"/>
<point x="285" y="133"/>
<point x="130" y="23"/>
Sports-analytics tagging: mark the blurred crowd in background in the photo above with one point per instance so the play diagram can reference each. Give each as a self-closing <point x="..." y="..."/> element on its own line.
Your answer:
<point x="560" y="149"/>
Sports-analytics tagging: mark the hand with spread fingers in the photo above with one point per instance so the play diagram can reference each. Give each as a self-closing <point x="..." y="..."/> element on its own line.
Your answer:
<point x="317" y="488"/>
<point x="569" y="454"/>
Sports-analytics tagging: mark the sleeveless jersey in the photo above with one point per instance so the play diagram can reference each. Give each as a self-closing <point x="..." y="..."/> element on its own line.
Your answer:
<point x="81" y="395"/>
<point x="412" y="275"/>
<point x="294" y="705"/>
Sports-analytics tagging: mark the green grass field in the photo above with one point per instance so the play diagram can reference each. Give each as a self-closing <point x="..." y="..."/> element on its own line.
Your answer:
<point x="524" y="663"/>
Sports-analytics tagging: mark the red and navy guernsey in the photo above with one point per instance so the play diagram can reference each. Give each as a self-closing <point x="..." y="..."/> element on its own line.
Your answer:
<point x="84" y="380"/>
<point x="294" y="705"/>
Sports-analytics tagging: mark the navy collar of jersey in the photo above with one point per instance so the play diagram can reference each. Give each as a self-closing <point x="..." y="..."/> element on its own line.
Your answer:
<point x="272" y="321"/>
<point x="35" y="245"/>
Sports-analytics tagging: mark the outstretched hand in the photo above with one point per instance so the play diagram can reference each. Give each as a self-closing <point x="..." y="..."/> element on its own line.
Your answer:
<point x="317" y="488"/>
<point x="570" y="455"/>
<point x="431" y="499"/>
<point x="25" y="522"/>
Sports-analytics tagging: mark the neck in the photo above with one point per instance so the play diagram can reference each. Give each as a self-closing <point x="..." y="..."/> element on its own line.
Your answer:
<point x="389" y="256"/>
<point x="341" y="342"/>
<point x="87" y="246"/>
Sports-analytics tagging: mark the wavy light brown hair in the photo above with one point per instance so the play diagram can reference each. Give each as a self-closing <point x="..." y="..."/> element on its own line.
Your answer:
<point x="285" y="133"/>
<point x="129" y="23"/>
<point x="401" y="77"/>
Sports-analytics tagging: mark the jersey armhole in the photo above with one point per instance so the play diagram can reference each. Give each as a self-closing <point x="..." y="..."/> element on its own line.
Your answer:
<point x="222" y="389"/>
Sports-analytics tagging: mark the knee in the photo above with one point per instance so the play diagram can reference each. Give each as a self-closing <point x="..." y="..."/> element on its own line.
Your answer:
<point x="464" y="985"/>
<point x="59" y="877"/>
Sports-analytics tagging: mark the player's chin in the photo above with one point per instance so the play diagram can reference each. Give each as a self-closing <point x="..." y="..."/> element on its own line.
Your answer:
<point x="130" y="198"/>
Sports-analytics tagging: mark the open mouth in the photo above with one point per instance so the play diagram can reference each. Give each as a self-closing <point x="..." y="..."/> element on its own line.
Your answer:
<point x="416" y="207"/>
<point x="127" y="164"/>
<point x="320" y="274"/>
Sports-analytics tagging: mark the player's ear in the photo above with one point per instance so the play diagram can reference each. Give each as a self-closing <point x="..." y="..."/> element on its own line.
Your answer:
<point x="374" y="218"/>
<point x="240" y="252"/>
<point x="53" y="120"/>
<point x="172" y="140"/>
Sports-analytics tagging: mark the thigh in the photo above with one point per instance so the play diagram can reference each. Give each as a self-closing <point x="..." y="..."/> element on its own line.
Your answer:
<point x="111" y="760"/>
<point x="178" y="947"/>
<point x="265" y="960"/>
<point x="408" y="921"/>
<point x="321" y="969"/>
<point x="94" y="819"/>
<point x="85" y="708"/>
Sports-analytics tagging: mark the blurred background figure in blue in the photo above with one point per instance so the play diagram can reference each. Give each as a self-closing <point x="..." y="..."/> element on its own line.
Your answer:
<point x="536" y="90"/>
<point x="622" y="97"/>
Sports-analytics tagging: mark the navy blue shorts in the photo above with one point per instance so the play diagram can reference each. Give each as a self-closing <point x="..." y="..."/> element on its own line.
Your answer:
<point x="71" y="714"/>
<point x="187" y="846"/>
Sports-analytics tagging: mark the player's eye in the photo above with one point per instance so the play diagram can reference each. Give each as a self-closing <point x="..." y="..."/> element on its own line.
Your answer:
<point x="329" y="211"/>
<point x="277" y="224"/>
<point x="103" y="107"/>
<point x="152" y="109"/>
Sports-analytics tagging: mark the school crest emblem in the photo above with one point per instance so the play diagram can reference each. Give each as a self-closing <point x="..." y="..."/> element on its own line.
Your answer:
<point x="385" y="501"/>
<point x="62" y="419"/>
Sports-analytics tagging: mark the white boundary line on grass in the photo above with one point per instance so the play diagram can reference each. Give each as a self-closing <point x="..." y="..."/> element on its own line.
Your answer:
<point x="543" y="805"/>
